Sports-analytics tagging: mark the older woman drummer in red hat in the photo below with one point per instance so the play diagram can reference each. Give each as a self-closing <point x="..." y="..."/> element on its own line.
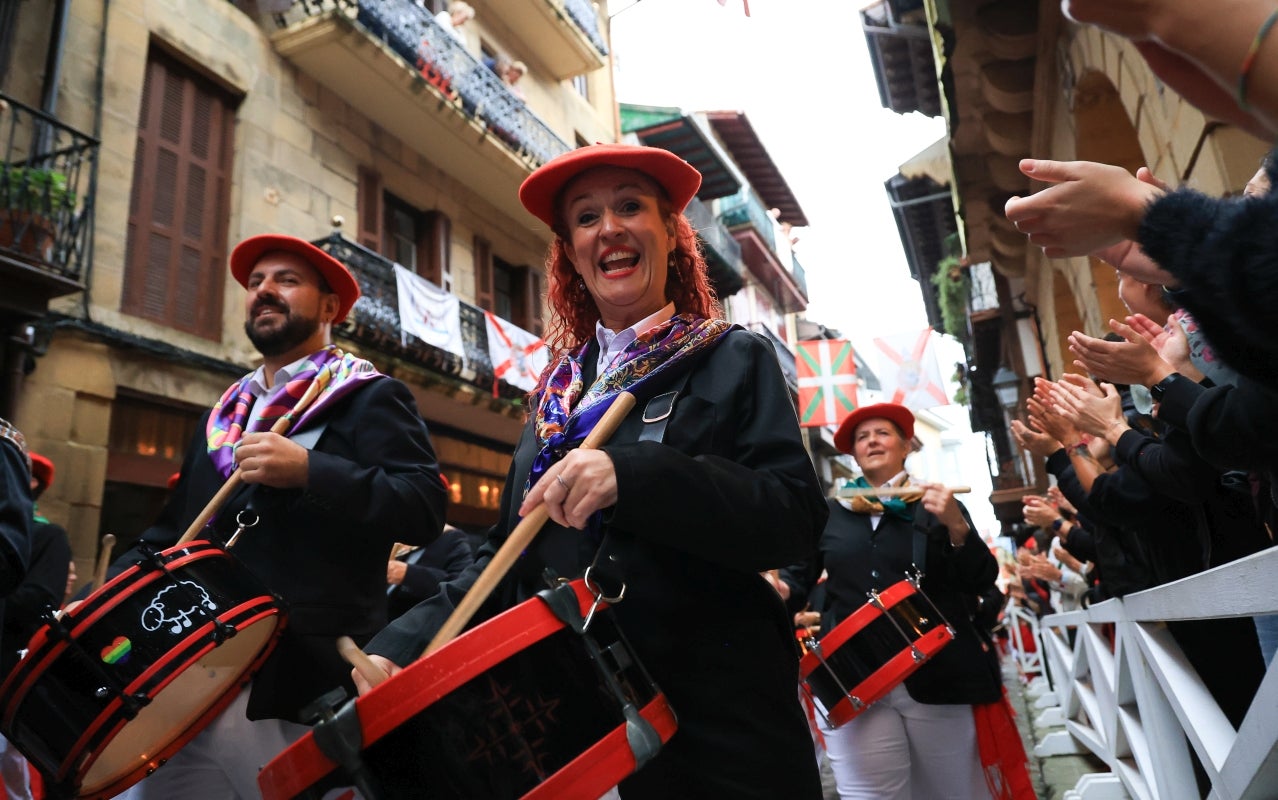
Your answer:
<point x="705" y="485"/>
<point x="920" y="740"/>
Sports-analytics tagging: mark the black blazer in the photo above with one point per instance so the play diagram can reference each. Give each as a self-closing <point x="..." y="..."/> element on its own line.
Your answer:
<point x="373" y="480"/>
<point x="730" y="491"/>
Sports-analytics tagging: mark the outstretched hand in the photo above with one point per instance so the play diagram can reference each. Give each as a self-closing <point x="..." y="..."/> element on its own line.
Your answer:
<point x="1089" y="207"/>
<point x="1091" y="408"/>
<point x="1133" y="361"/>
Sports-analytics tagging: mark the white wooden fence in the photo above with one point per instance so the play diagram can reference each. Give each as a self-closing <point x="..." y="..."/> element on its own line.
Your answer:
<point x="1138" y="704"/>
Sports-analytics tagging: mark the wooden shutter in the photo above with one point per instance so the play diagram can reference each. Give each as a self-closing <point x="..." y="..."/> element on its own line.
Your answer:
<point x="533" y="302"/>
<point x="369" y="203"/>
<point x="434" y="245"/>
<point x="483" y="273"/>
<point x="175" y="251"/>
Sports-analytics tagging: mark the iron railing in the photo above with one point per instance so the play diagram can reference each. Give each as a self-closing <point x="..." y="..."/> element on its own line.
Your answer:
<point x="800" y="275"/>
<point x="410" y="31"/>
<point x="374" y="321"/>
<point x="46" y="208"/>
<point x="583" y="15"/>
<point x="743" y="209"/>
<point x="719" y="243"/>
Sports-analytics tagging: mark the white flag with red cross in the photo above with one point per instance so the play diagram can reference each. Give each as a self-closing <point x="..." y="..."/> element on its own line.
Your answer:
<point x="518" y="356"/>
<point x="827" y="381"/>
<point x="428" y="312"/>
<point x="908" y="371"/>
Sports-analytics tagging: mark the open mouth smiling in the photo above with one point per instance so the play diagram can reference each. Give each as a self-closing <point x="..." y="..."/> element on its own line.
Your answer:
<point x="619" y="260"/>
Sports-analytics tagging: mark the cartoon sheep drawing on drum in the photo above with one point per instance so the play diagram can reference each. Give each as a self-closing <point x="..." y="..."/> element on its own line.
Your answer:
<point x="157" y="614"/>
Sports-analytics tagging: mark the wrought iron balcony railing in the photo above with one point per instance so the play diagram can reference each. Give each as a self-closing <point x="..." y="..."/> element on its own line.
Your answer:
<point x="743" y="209"/>
<point x="800" y="275"/>
<point x="410" y="31"/>
<point x="46" y="208"/>
<point x="374" y="321"/>
<point x="719" y="242"/>
<point x="583" y="15"/>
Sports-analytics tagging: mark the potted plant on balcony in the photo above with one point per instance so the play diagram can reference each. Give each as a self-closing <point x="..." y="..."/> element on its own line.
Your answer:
<point x="31" y="199"/>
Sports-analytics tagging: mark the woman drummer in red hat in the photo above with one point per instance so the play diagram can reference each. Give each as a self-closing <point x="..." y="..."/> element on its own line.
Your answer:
<point x="920" y="740"/>
<point x="692" y="504"/>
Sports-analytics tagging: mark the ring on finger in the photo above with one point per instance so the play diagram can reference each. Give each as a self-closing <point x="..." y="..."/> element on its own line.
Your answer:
<point x="560" y="480"/>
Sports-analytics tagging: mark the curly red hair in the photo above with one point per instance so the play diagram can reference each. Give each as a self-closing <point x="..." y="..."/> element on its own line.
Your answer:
<point x="573" y="310"/>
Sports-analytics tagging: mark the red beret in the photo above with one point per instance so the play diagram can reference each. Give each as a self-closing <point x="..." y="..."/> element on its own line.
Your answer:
<point x="540" y="190"/>
<point x="247" y="253"/>
<point x="898" y="414"/>
<point x="42" y="470"/>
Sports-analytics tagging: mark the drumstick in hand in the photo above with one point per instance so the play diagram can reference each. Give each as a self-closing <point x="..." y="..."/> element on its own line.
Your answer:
<point x="358" y="659"/>
<point x="232" y="483"/>
<point x="522" y="535"/>
<point x="849" y="492"/>
<point x="104" y="561"/>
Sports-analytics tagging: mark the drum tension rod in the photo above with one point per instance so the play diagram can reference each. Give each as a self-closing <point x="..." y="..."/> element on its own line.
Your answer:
<point x="877" y="602"/>
<point x="814" y="647"/>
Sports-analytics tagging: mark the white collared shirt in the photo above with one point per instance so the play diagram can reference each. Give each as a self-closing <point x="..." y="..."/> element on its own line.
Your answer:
<point x="257" y="384"/>
<point x="613" y="343"/>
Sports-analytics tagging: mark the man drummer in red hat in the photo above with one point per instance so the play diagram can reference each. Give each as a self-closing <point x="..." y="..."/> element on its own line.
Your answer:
<point x="920" y="740"/>
<point x="354" y="471"/>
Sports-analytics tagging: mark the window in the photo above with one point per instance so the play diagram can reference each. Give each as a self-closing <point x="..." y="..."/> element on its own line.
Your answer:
<point x="175" y="252"/>
<point x="419" y="240"/>
<point x="582" y="84"/>
<point x="516" y="294"/>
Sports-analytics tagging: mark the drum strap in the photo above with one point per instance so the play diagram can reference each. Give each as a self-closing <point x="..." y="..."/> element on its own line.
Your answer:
<point x="919" y="541"/>
<point x="608" y="569"/>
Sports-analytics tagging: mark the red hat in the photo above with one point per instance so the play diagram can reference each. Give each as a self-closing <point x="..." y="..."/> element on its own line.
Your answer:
<point x="247" y="253"/>
<point x="895" y="413"/>
<point x="42" y="470"/>
<point x="541" y="189"/>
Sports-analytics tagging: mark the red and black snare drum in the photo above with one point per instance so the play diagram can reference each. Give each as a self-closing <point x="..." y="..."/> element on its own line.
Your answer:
<point x="111" y="689"/>
<point x="521" y="706"/>
<point x="872" y="651"/>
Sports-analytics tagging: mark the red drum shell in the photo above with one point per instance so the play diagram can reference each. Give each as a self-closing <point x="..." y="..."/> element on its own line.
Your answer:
<point x="864" y="657"/>
<point x="434" y="697"/>
<point x="121" y="682"/>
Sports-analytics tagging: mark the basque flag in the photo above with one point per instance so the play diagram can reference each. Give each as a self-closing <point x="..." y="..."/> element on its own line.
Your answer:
<point x="827" y="381"/>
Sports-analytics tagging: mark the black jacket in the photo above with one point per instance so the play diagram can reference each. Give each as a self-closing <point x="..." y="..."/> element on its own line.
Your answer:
<point x="373" y="480"/>
<point x="729" y="492"/>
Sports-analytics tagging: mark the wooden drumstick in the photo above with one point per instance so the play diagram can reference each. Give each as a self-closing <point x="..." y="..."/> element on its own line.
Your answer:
<point x="849" y="492"/>
<point x="521" y="536"/>
<point x="232" y="483"/>
<point x="104" y="561"/>
<point x="358" y="659"/>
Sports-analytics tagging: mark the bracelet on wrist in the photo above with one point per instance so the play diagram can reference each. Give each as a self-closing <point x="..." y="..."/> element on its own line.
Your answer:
<point x="1244" y="74"/>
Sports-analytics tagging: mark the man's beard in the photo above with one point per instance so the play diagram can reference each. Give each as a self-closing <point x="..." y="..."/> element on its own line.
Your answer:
<point x="277" y="341"/>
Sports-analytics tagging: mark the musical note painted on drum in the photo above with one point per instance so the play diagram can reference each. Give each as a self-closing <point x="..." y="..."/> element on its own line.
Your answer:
<point x="157" y="614"/>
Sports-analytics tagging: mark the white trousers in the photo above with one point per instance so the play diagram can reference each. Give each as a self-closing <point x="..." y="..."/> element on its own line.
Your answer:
<point x="13" y="772"/>
<point x="898" y="749"/>
<point x="222" y="761"/>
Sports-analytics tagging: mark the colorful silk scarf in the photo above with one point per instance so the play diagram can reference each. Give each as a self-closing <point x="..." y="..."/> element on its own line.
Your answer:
<point x="879" y="505"/>
<point x="565" y="415"/>
<point x="338" y="373"/>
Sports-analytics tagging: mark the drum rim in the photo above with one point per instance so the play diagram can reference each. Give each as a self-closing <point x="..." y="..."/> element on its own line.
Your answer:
<point x="73" y="766"/>
<point x="387" y="706"/>
<point x="855" y="622"/>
